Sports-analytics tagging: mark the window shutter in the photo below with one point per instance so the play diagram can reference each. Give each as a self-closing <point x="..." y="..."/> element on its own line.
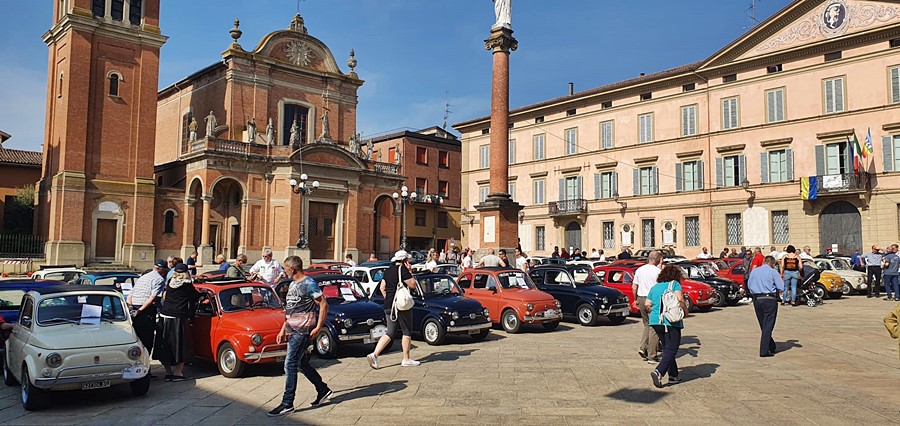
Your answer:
<point x="700" y="176"/>
<point x="597" y="192"/>
<point x="636" y="181"/>
<point x="779" y="105"/>
<point x="679" y="177"/>
<point x="579" y="191"/>
<point x="789" y="161"/>
<point x="562" y="190"/>
<point x="720" y="172"/>
<point x="770" y="103"/>
<point x="829" y="96"/>
<point x="685" y="126"/>
<point x="839" y="95"/>
<point x="764" y="167"/>
<point x="742" y="164"/>
<point x="887" y="151"/>
<point x="734" y="113"/>
<point x="693" y="120"/>
<point x="820" y="160"/>
<point x="848" y="158"/>
<point x="895" y="85"/>
<point x="614" y="184"/>
<point x="654" y="180"/>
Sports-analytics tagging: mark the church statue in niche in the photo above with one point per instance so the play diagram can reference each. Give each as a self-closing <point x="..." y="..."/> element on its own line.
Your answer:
<point x="270" y="132"/>
<point x="251" y="130"/>
<point x="295" y="133"/>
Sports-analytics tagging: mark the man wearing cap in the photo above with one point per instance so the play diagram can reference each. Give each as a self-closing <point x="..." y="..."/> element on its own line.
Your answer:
<point x="141" y="299"/>
<point x="388" y="287"/>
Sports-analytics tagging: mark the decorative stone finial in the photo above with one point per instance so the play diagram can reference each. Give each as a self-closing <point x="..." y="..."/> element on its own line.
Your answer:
<point x="352" y="63"/>
<point x="236" y="33"/>
<point x="297" y="24"/>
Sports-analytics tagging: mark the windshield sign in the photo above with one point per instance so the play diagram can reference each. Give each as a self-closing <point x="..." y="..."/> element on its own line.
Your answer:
<point x="248" y="297"/>
<point x="80" y="309"/>
<point x="346" y="289"/>
<point x="516" y="279"/>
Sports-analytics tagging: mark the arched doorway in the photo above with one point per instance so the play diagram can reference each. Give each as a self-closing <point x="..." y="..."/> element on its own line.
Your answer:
<point x="383" y="234"/>
<point x="107" y="236"/>
<point x="840" y="224"/>
<point x="573" y="235"/>
<point x="225" y="217"/>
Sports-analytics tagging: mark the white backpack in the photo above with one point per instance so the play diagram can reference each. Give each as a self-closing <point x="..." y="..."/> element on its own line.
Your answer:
<point x="671" y="308"/>
<point x="403" y="300"/>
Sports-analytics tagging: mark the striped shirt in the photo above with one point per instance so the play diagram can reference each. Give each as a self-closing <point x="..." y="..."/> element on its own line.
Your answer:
<point x="148" y="285"/>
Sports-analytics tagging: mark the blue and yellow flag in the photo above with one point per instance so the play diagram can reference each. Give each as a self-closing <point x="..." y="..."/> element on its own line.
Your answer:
<point x="809" y="187"/>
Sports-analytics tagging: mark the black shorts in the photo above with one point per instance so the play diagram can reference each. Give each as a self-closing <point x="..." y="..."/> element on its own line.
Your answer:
<point x="404" y="318"/>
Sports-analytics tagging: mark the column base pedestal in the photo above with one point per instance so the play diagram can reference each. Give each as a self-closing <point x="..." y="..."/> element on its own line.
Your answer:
<point x="139" y="256"/>
<point x="304" y="254"/>
<point x="64" y="253"/>
<point x="499" y="216"/>
<point x="205" y="254"/>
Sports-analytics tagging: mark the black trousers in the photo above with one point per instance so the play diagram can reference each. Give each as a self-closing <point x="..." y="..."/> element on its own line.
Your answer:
<point x="671" y="337"/>
<point x="145" y="326"/>
<point x="766" y="311"/>
<point x="873" y="279"/>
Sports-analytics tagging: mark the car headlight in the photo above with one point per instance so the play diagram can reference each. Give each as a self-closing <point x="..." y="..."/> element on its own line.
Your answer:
<point x="604" y="300"/>
<point x="348" y="323"/>
<point x="256" y="339"/>
<point x="529" y="307"/>
<point x="627" y="299"/>
<point x="487" y="313"/>
<point x="135" y="352"/>
<point x="558" y="305"/>
<point x="454" y="315"/>
<point x="54" y="360"/>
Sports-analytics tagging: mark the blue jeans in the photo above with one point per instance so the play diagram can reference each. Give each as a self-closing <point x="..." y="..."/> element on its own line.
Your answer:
<point x="671" y="337"/>
<point x="298" y="359"/>
<point x="791" y="278"/>
<point x="891" y="283"/>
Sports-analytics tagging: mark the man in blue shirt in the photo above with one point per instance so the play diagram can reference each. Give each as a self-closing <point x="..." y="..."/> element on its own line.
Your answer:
<point x="892" y="273"/>
<point x="764" y="285"/>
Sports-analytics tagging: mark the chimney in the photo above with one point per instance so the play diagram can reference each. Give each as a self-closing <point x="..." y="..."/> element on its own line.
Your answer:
<point x="642" y="74"/>
<point x="571" y="88"/>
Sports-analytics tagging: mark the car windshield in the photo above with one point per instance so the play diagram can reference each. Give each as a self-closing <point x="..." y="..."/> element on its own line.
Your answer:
<point x="841" y="264"/>
<point x="248" y="297"/>
<point x="515" y="279"/>
<point x="691" y="271"/>
<point x="81" y="309"/>
<point x="447" y="269"/>
<point x="10" y="299"/>
<point x="66" y="276"/>
<point x="584" y="276"/>
<point x="342" y="289"/>
<point x="377" y="273"/>
<point x="431" y="286"/>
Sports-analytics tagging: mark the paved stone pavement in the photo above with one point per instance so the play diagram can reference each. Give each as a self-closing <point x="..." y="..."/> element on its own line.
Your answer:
<point x="836" y="365"/>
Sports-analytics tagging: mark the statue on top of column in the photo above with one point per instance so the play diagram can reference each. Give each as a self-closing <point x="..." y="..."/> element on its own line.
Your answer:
<point x="503" y="11"/>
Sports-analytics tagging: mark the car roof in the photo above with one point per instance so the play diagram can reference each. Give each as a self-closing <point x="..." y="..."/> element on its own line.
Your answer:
<point x="112" y="274"/>
<point x="327" y="277"/>
<point x="566" y="266"/>
<point x="54" y="289"/>
<point x="494" y="269"/>
<point x="223" y="281"/>
<point x="429" y="274"/>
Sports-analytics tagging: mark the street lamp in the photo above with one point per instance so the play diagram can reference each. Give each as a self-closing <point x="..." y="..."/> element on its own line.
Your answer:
<point x="303" y="188"/>
<point x="621" y="203"/>
<point x="746" y="185"/>
<point x="404" y="198"/>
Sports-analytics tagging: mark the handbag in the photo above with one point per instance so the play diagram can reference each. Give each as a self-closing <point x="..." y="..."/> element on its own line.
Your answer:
<point x="403" y="300"/>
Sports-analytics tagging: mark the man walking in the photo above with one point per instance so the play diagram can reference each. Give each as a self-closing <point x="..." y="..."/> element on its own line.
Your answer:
<point x="301" y="326"/>
<point x="892" y="274"/>
<point x="764" y="285"/>
<point x="644" y="280"/>
<point x="141" y="300"/>
<point x="872" y="261"/>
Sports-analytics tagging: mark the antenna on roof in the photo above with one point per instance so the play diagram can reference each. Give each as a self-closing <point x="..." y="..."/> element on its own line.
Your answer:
<point x="446" y="109"/>
<point x="751" y="14"/>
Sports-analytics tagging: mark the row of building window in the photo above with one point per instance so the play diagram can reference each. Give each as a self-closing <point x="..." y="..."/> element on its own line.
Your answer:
<point x="422" y="157"/>
<point x="118" y="10"/>
<point x="834" y="98"/>
<point x="443" y="219"/>
<point x="422" y="187"/>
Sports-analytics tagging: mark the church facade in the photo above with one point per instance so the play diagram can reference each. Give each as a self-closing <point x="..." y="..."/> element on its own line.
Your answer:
<point x="257" y="151"/>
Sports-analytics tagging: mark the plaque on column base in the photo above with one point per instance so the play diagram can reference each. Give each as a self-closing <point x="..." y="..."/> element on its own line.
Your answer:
<point x="139" y="256"/>
<point x="499" y="221"/>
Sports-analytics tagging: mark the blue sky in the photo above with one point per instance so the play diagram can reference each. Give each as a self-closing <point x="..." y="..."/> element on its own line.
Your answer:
<point x="414" y="55"/>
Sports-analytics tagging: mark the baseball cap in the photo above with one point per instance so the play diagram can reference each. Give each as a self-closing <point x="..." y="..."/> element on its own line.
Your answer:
<point x="160" y="263"/>
<point x="181" y="268"/>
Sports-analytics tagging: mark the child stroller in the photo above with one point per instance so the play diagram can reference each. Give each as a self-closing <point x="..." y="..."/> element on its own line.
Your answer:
<point x="806" y="288"/>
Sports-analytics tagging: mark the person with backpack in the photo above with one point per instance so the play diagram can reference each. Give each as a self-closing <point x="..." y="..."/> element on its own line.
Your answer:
<point x="667" y="308"/>
<point x="395" y="285"/>
<point x="764" y="285"/>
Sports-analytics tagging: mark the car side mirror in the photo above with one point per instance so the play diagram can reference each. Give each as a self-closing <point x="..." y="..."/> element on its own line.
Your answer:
<point x="25" y="321"/>
<point x="493" y="290"/>
<point x="204" y="309"/>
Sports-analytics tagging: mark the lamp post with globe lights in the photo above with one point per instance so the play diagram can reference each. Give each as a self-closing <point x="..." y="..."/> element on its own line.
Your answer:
<point x="404" y="198"/>
<point x="303" y="188"/>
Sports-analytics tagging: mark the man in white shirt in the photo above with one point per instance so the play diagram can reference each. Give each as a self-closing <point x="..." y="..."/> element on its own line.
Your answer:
<point x="466" y="259"/>
<point x="705" y="254"/>
<point x="806" y="255"/>
<point x="267" y="269"/>
<point x="644" y="280"/>
<point x="489" y="260"/>
<point x="602" y="256"/>
<point x="595" y="254"/>
<point x="774" y="252"/>
<point x="432" y="263"/>
<point x="349" y="259"/>
<point x="521" y="262"/>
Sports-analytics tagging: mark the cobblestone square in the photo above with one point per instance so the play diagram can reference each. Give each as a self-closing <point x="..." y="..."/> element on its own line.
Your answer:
<point x="836" y="365"/>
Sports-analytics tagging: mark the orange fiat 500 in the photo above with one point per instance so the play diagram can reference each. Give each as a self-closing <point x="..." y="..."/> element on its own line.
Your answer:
<point x="511" y="297"/>
<point x="236" y="324"/>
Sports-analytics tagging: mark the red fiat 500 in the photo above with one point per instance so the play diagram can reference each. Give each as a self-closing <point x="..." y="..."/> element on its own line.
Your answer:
<point x="697" y="295"/>
<point x="511" y="297"/>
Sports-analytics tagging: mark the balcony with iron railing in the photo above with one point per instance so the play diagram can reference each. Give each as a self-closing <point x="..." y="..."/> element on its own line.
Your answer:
<point x="568" y="207"/>
<point x="847" y="183"/>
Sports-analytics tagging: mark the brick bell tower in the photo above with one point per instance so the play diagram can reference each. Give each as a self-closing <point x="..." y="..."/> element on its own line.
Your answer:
<point x="96" y="193"/>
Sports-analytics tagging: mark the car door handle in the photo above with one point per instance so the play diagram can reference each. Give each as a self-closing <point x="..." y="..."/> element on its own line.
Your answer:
<point x="14" y="331"/>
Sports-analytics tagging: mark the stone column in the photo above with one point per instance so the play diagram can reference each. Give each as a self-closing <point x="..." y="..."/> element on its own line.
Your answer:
<point x="499" y="213"/>
<point x="205" y="253"/>
<point x="187" y="228"/>
<point x="245" y="226"/>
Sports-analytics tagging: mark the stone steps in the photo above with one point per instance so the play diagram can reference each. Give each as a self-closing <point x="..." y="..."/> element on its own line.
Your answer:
<point x="108" y="267"/>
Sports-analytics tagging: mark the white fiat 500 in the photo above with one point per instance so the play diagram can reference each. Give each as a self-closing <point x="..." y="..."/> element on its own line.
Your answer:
<point x="70" y="338"/>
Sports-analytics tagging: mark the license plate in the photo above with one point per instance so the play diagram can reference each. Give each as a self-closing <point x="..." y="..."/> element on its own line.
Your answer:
<point x="474" y="331"/>
<point x="134" y="373"/>
<point x="96" y="384"/>
<point x="279" y="359"/>
<point x="377" y="332"/>
<point x="549" y="313"/>
<point x="368" y="340"/>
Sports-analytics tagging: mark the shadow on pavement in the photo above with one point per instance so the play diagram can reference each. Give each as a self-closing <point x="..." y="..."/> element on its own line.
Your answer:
<point x="686" y="348"/>
<point x="787" y="345"/>
<point x="640" y="396"/>
<point x="375" y="389"/>
<point x="699" y="371"/>
<point x="447" y="355"/>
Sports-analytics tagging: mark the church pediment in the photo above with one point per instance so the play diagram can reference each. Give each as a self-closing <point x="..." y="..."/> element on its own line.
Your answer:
<point x="331" y="154"/>
<point x="296" y="47"/>
<point x="807" y="23"/>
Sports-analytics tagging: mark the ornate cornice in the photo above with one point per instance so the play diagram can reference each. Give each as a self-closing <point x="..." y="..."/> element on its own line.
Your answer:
<point x="501" y="40"/>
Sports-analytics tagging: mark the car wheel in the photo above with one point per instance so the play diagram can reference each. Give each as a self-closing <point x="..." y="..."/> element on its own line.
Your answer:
<point x="689" y="304"/>
<point x="847" y="290"/>
<point x="140" y="386"/>
<point x="228" y="362"/>
<point x="616" y="319"/>
<point x="720" y="299"/>
<point x="706" y="308"/>
<point x="510" y="321"/>
<point x="550" y="326"/>
<point x="326" y="345"/>
<point x="821" y="292"/>
<point x="586" y="314"/>
<point x="32" y="397"/>
<point x="481" y="334"/>
<point x="433" y="332"/>
<point x="8" y="378"/>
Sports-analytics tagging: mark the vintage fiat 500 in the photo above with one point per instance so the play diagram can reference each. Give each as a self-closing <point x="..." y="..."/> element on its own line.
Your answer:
<point x="236" y="324"/>
<point x="71" y="338"/>
<point x="511" y="298"/>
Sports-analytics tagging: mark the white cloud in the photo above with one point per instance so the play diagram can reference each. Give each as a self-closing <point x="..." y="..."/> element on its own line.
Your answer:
<point x="23" y="99"/>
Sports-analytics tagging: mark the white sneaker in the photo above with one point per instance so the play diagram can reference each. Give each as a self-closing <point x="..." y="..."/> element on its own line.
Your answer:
<point x="373" y="360"/>
<point x="409" y="363"/>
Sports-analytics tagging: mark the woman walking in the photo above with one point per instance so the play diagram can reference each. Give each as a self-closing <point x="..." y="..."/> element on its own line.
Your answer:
<point x="670" y="332"/>
<point x="179" y="303"/>
<point x="790" y="273"/>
